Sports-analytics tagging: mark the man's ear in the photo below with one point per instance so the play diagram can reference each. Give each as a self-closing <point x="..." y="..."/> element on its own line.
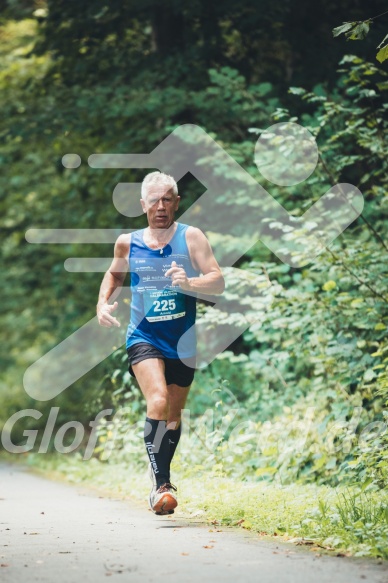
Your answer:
<point x="177" y="201"/>
<point x="143" y="205"/>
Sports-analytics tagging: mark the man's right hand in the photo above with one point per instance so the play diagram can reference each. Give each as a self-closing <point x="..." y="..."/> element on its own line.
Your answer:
<point x="104" y="315"/>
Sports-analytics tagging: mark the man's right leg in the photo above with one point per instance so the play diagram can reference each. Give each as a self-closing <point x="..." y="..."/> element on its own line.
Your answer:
<point x="150" y="376"/>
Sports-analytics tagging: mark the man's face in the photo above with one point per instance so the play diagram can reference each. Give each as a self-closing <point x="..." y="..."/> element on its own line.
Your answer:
<point x="160" y="206"/>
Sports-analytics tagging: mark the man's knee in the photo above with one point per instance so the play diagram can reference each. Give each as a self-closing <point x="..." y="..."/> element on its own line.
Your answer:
<point x="158" y="404"/>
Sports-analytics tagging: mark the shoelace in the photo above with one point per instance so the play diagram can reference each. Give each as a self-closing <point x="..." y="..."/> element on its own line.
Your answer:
<point x="166" y="487"/>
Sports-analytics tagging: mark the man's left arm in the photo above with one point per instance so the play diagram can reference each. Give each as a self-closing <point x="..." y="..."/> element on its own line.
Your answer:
<point x="201" y="254"/>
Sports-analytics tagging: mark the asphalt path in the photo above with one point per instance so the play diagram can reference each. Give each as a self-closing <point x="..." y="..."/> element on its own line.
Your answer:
<point x="55" y="532"/>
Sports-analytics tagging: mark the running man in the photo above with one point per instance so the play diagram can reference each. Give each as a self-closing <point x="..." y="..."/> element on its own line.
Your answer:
<point x="163" y="259"/>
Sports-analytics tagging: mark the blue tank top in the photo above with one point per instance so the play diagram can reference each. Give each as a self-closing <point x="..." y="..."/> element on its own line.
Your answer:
<point x="160" y="314"/>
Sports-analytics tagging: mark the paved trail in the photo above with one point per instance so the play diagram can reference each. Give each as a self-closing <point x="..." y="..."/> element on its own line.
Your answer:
<point x="51" y="531"/>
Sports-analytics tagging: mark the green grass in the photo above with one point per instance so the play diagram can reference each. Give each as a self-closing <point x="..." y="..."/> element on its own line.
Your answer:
<point x="334" y="520"/>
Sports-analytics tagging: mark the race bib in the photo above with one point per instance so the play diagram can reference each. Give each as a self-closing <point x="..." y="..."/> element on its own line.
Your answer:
<point x="164" y="305"/>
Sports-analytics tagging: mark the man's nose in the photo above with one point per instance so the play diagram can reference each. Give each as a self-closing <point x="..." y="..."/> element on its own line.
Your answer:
<point x="160" y="203"/>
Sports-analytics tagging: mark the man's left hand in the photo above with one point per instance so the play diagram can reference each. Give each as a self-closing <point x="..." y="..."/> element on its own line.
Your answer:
<point x="178" y="276"/>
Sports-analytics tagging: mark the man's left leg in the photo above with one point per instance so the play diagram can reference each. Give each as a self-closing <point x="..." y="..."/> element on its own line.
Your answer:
<point x="179" y="377"/>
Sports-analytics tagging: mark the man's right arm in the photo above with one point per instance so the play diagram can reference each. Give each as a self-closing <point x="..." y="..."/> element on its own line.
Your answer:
<point x="113" y="279"/>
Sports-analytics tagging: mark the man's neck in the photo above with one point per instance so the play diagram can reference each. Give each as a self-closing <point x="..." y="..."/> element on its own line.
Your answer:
<point x="161" y="234"/>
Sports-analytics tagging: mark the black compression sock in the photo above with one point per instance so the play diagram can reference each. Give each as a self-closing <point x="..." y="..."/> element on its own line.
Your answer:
<point x="158" y="449"/>
<point x="174" y="436"/>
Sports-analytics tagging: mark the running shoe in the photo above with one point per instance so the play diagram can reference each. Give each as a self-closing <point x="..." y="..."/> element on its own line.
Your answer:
<point x="163" y="500"/>
<point x="152" y="495"/>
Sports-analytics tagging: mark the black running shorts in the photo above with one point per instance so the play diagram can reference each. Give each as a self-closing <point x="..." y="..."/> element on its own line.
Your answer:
<point x="176" y="372"/>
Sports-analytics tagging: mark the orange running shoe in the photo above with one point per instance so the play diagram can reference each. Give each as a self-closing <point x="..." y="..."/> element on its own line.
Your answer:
<point x="163" y="500"/>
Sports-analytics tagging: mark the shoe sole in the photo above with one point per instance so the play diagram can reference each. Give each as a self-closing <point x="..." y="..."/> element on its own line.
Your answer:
<point x="158" y="513"/>
<point x="165" y="505"/>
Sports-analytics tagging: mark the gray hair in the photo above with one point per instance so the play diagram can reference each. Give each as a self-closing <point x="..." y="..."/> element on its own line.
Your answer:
<point x="158" y="178"/>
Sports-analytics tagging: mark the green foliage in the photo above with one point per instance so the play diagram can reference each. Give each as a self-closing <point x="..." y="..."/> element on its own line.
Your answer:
<point x="358" y="30"/>
<point x="382" y="54"/>
<point x="358" y="517"/>
<point x="353" y="30"/>
<point x="336" y="316"/>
